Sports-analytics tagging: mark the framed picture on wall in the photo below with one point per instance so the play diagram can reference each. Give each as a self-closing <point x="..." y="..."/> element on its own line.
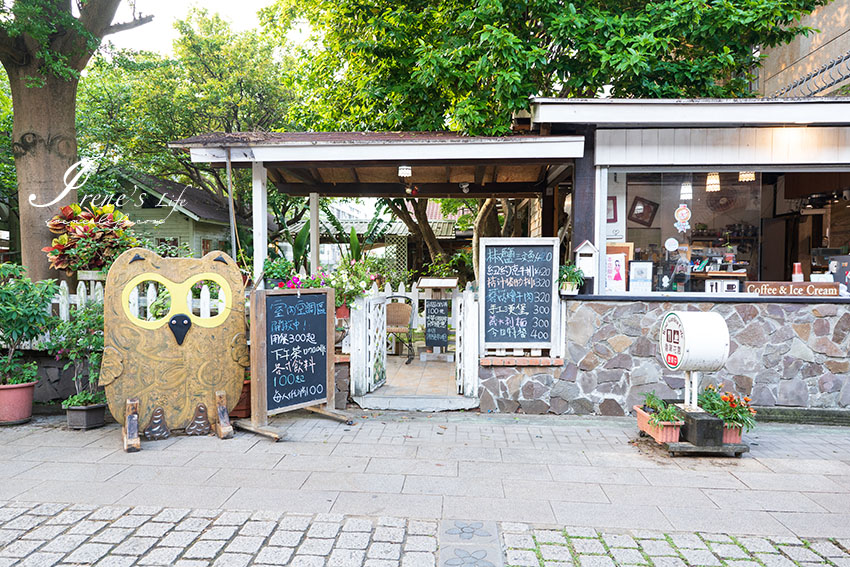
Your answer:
<point x="643" y="211"/>
<point x="611" y="214"/>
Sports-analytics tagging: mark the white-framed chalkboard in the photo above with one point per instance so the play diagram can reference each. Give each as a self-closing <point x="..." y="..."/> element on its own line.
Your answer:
<point x="292" y="350"/>
<point x="518" y="292"/>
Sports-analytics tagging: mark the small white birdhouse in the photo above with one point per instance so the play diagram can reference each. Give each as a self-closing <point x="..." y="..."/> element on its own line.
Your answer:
<point x="586" y="258"/>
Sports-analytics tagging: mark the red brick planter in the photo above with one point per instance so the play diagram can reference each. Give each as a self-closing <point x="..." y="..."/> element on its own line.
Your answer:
<point x="664" y="432"/>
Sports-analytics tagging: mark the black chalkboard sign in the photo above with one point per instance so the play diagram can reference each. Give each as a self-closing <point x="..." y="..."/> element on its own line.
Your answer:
<point x="437" y="322"/>
<point x="519" y="285"/>
<point x="291" y="349"/>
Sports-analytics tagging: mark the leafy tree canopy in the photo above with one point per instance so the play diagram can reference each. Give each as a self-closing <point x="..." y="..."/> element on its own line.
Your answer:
<point x="436" y="64"/>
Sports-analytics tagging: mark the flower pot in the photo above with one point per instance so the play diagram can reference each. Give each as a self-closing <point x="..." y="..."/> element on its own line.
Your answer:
<point x="343" y="312"/>
<point x="664" y="432"/>
<point x="731" y="434"/>
<point x="86" y="417"/>
<point x="569" y="288"/>
<point x="16" y="403"/>
<point x="243" y="406"/>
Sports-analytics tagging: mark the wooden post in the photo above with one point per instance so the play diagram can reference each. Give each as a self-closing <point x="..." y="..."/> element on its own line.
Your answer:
<point x="259" y="203"/>
<point x="314" y="233"/>
<point x="132" y="443"/>
<point x="222" y="425"/>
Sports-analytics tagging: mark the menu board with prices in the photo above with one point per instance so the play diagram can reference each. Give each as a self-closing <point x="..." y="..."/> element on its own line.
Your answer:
<point x="519" y="291"/>
<point x="294" y="348"/>
<point x="437" y="322"/>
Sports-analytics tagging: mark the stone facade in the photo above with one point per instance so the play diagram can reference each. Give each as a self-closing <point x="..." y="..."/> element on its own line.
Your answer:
<point x="781" y="354"/>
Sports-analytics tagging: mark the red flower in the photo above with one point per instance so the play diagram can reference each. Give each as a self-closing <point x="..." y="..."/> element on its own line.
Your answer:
<point x="281" y="284"/>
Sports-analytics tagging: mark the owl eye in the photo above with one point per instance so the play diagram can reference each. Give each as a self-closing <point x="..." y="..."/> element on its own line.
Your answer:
<point x="207" y="299"/>
<point x="149" y="301"/>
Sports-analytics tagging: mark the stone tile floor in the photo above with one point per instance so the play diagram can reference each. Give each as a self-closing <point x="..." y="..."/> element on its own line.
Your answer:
<point x="522" y="477"/>
<point x="432" y="378"/>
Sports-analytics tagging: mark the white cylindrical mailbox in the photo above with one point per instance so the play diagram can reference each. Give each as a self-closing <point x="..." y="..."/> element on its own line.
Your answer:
<point x="694" y="340"/>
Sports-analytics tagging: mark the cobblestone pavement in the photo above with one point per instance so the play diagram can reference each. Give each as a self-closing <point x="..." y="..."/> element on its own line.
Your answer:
<point x="120" y="536"/>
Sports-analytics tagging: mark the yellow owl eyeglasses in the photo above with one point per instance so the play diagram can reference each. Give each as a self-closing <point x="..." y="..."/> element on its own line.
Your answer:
<point x="179" y="299"/>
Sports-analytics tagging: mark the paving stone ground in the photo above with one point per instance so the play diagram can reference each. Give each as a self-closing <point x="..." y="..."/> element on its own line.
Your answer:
<point x="423" y="490"/>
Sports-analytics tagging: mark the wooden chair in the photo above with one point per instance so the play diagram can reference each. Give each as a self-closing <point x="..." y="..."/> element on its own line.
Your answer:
<point x="400" y="322"/>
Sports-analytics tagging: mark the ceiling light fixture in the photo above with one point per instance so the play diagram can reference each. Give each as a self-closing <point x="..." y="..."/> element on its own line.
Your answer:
<point x="405" y="171"/>
<point x="712" y="182"/>
<point x="745" y="176"/>
<point x="687" y="191"/>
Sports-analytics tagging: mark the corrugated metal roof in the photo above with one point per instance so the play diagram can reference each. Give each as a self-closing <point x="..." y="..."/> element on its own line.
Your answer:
<point x="443" y="229"/>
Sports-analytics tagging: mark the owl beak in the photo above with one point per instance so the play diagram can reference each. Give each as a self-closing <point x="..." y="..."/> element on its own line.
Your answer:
<point x="179" y="325"/>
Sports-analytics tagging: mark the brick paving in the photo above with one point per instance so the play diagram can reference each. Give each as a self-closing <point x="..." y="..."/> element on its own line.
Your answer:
<point x="389" y="491"/>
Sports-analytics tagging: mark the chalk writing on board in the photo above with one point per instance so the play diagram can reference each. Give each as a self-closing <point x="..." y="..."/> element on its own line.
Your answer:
<point x="518" y="301"/>
<point x="296" y="349"/>
<point x="436" y="322"/>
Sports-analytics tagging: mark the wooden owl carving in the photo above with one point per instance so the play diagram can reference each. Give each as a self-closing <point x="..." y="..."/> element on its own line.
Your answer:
<point x="160" y="345"/>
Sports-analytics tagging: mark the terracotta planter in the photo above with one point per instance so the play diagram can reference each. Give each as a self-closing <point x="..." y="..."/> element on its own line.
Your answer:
<point x="16" y="403"/>
<point x="343" y="312"/>
<point x="86" y="417"/>
<point x="731" y="434"/>
<point x="243" y="406"/>
<point x="664" y="432"/>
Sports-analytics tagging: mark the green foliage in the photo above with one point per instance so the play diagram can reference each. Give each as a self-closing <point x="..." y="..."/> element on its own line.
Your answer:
<point x="669" y="413"/>
<point x="651" y="401"/>
<point x="132" y="104"/>
<point x="301" y="247"/>
<point x="278" y="269"/>
<point x="451" y="64"/>
<point x="459" y="265"/>
<point x="734" y="411"/>
<point x="85" y="398"/>
<point x="80" y="340"/>
<point x="13" y="371"/>
<point x="569" y="273"/>
<point x="24" y="315"/>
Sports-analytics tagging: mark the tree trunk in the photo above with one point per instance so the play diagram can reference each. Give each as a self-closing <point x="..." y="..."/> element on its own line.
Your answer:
<point x="44" y="141"/>
<point x="435" y="249"/>
<point x="479" y="229"/>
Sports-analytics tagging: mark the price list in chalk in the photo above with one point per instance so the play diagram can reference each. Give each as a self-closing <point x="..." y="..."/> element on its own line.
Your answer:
<point x="518" y="301"/>
<point x="296" y="350"/>
<point x="437" y="322"/>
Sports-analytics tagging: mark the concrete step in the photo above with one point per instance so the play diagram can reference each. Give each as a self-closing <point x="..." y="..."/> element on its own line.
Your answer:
<point x="415" y="403"/>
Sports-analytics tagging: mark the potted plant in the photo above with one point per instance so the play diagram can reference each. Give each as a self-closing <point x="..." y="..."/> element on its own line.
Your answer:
<point x="736" y="413"/>
<point x="89" y="240"/>
<point x="24" y="315"/>
<point x="657" y="419"/>
<point x="277" y="271"/>
<point x="80" y="341"/>
<point x="570" y="278"/>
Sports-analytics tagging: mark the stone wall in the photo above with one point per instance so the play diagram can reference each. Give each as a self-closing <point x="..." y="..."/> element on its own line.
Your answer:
<point x="781" y="354"/>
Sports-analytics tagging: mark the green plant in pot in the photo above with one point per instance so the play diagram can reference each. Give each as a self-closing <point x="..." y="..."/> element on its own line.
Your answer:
<point x="277" y="270"/>
<point x="24" y="315"/>
<point x="570" y="278"/>
<point x="79" y="341"/>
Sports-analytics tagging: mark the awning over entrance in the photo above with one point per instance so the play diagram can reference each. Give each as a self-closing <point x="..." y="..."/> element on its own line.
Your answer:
<point x="338" y="164"/>
<point x="367" y="164"/>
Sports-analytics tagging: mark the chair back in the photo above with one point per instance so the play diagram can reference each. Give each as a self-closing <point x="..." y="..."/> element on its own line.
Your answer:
<point x="398" y="314"/>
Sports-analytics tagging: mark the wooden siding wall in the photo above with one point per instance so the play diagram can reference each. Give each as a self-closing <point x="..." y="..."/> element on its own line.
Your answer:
<point x="176" y="225"/>
<point x="723" y="146"/>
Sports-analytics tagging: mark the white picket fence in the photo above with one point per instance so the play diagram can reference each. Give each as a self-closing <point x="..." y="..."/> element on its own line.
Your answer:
<point x="415" y="295"/>
<point x="205" y="306"/>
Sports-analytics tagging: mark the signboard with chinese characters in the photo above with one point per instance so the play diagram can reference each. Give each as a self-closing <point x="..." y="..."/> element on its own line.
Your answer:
<point x="437" y="322"/>
<point x="793" y="289"/>
<point x="519" y="292"/>
<point x="694" y="340"/>
<point x="292" y="349"/>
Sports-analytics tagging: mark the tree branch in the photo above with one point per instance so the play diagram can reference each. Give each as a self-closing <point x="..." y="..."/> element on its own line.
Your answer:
<point x="134" y="23"/>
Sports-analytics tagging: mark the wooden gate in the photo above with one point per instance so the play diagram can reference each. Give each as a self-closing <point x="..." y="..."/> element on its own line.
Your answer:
<point x="368" y="344"/>
<point x="466" y="342"/>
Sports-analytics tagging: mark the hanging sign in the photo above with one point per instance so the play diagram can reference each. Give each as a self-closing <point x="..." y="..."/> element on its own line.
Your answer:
<point x="682" y="216"/>
<point x="694" y="340"/>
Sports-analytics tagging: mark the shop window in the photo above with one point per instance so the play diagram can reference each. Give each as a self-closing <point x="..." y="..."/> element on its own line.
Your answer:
<point x="206" y="246"/>
<point x="695" y="232"/>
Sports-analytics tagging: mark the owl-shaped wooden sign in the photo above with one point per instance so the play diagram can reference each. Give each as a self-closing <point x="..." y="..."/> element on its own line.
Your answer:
<point x="174" y="335"/>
